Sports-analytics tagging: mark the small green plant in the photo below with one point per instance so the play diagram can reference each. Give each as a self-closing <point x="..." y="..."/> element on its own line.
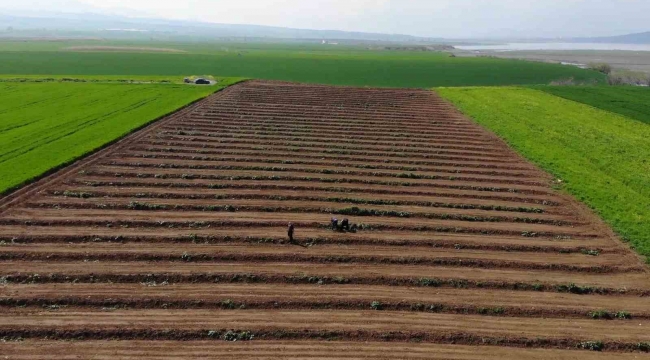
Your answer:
<point x="430" y="282"/>
<point x="461" y="284"/>
<point x="193" y="237"/>
<point x="623" y="315"/>
<point x="600" y="314"/>
<point x="591" y="345"/>
<point x="643" y="346"/>
<point x="134" y="205"/>
<point x="376" y="305"/>
<point x="417" y="307"/>
<point x="590" y="252"/>
<point x="81" y="195"/>
<point x="238" y="336"/>
<point x="498" y="310"/>
<point x="314" y="280"/>
<point x="340" y="280"/>
<point x="228" y="304"/>
<point x="575" y="289"/>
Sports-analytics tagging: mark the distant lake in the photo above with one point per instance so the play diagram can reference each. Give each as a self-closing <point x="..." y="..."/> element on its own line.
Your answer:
<point x="556" y="46"/>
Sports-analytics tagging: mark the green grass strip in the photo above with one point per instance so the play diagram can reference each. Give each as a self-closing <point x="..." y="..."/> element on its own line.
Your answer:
<point x="602" y="158"/>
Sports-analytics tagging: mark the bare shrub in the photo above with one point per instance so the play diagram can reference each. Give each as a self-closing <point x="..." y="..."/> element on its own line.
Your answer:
<point x="572" y="82"/>
<point x="601" y="67"/>
<point x="626" y="77"/>
<point x="615" y="80"/>
<point x="563" y="82"/>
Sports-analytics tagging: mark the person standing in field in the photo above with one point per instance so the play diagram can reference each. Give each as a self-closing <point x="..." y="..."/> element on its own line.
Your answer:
<point x="290" y="232"/>
<point x="345" y="225"/>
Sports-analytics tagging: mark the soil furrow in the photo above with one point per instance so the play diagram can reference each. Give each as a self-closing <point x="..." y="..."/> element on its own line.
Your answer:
<point x="192" y="184"/>
<point x="203" y="148"/>
<point x="154" y="152"/>
<point x="195" y="163"/>
<point x="603" y="263"/>
<point x="359" y="325"/>
<point x="87" y="192"/>
<point x="154" y="172"/>
<point x="346" y="297"/>
<point x="236" y="132"/>
<point x="297" y="349"/>
<point x="202" y="219"/>
<point x="35" y="272"/>
<point x="268" y="203"/>
<point x="309" y="237"/>
<point x="203" y="137"/>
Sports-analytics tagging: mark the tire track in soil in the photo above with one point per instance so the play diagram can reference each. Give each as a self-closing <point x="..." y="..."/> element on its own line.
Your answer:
<point x="490" y="255"/>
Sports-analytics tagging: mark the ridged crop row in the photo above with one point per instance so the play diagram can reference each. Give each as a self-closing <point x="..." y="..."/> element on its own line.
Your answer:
<point x="181" y="146"/>
<point x="180" y="154"/>
<point x="346" y="200"/>
<point x="326" y="171"/>
<point x="193" y="176"/>
<point x="261" y="186"/>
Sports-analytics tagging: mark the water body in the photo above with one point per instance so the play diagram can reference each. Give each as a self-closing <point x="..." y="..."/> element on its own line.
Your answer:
<point x="554" y="46"/>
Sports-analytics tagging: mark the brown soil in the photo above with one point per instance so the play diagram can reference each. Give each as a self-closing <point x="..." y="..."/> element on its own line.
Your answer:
<point x="547" y="304"/>
<point x="334" y="350"/>
<point x="366" y="324"/>
<point x="466" y="250"/>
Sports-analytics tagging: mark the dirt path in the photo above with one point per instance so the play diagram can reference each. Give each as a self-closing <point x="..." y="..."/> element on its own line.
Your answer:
<point x="464" y="251"/>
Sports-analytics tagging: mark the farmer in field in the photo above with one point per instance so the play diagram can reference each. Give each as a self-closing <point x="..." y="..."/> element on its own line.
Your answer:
<point x="290" y="232"/>
<point x="335" y="224"/>
<point x="345" y="225"/>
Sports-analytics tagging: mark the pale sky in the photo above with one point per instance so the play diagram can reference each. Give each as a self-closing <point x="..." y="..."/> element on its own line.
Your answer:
<point x="430" y="18"/>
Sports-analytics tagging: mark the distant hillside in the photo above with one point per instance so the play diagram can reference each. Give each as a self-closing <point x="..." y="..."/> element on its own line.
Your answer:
<point x="638" y="38"/>
<point x="109" y="26"/>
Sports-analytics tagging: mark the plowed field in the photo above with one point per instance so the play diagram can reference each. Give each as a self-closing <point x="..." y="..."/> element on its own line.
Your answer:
<point x="179" y="232"/>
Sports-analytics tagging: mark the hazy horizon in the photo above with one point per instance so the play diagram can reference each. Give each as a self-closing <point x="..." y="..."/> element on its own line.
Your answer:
<point x="424" y="18"/>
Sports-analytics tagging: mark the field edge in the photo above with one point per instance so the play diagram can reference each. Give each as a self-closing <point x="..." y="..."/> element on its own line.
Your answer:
<point x="24" y="185"/>
<point x="592" y="211"/>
